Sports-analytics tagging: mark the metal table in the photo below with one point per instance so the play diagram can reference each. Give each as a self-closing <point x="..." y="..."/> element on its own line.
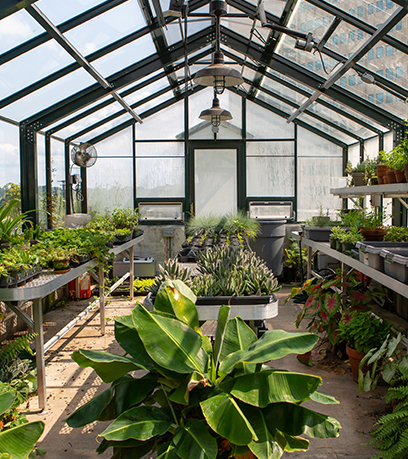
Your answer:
<point x="47" y="283"/>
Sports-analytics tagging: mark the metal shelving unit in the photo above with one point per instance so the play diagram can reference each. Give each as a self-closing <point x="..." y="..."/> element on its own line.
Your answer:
<point x="47" y="283"/>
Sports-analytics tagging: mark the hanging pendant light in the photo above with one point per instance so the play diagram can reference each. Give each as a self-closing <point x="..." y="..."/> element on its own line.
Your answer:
<point x="218" y="74"/>
<point x="215" y="114"/>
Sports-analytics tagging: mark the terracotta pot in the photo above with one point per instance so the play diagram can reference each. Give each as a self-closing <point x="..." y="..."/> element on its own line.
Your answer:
<point x="358" y="179"/>
<point x="372" y="235"/>
<point x="399" y="176"/>
<point x="355" y="359"/>
<point x="391" y="176"/>
<point x="381" y="171"/>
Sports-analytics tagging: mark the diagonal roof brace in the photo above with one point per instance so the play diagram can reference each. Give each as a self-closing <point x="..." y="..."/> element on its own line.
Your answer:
<point x="374" y="39"/>
<point x="43" y="20"/>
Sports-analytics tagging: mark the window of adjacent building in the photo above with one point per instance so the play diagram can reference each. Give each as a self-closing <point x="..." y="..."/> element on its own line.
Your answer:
<point x="379" y="52"/>
<point x="389" y="4"/>
<point x="389" y="73"/>
<point x="379" y="98"/>
<point x="398" y="72"/>
<point x="302" y="27"/>
<point x="388" y="98"/>
<point x="371" y="98"/>
<point x="352" y="80"/>
<point x="343" y="81"/>
<point x="325" y="21"/>
<point x="371" y="54"/>
<point x="399" y="26"/>
<point x="379" y="5"/>
<point x="343" y="38"/>
<point x="360" y="11"/>
<point x="309" y="26"/>
<point x="335" y="40"/>
<point x="370" y="8"/>
<point x="352" y="35"/>
<point x="388" y="50"/>
<point x="352" y="11"/>
<point x="310" y="65"/>
<point x="360" y="34"/>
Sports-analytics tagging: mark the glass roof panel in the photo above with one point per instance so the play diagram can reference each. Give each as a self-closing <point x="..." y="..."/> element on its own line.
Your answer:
<point x="340" y="120"/>
<point x="388" y="62"/>
<point x="282" y="90"/>
<point x="78" y="112"/>
<point x="155" y="102"/>
<point x="307" y="18"/>
<point x="48" y="95"/>
<point x="290" y="80"/>
<point x="125" y="56"/>
<point x="31" y="66"/>
<point x="375" y="94"/>
<point x="274" y="7"/>
<point x="102" y="129"/>
<point x="326" y="128"/>
<point x="16" y="29"/>
<point x="106" y="28"/>
<point x="60" y="11"/>
<point x="400" y="30"/>
<point x="147" y="91"/>
<point x="274" y="102"/>
<point x="346" y="39"/>
<point x="194" y="25"/>
<point x="89" y="120"/>
<point x="353" y="112"/>
<point x="373" y="12"/>
<point x="243" y="26"/>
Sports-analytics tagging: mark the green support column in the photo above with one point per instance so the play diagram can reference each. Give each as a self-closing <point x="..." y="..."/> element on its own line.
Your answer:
<point x="28" y="172"/>
<point x="48" y="180"/>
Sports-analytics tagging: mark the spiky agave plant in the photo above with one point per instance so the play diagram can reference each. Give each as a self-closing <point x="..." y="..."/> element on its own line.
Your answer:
<point x="197" y="400"/>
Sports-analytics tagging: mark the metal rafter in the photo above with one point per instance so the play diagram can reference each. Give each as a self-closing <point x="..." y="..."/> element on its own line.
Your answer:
<point x="334" y="76"/>
<point x="64" y="27"/>
<point x="304" y="76"/>
<point x="42" y="19"/>
<point x="119" y="80"/>
<point x="304" y="93"/>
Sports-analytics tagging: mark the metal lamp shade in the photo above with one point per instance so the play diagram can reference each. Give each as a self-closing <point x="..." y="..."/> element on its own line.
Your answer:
<point x="215" y="114"/>
<point x="218" y="75"/>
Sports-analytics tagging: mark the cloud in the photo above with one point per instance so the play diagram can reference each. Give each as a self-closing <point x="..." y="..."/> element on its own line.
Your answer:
<point x="12" y="26"/>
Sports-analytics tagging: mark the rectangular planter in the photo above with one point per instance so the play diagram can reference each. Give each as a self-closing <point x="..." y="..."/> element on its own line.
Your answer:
<point x="396" y="263"/>
<point x="317" y="233"/>
<point x="369" y="252"/>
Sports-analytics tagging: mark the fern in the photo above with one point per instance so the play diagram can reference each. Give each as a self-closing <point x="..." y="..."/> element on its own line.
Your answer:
<point x="11" y="350"/>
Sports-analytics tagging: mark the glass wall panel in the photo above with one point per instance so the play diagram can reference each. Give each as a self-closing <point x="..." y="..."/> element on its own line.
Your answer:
<point x="322" y="126"/>
<point x="119" y="144"/>
<point x="10" y="161"/>
<point x="104" y="128"/>
<point x="159" y="149"/>
<point x="110" y="184"/>
<point x="16" y="29"/>
<point x="371" y="148"/>
<point x="160" y="177"/>
<point x="389" y="141"/>
<point x="320" y="163"/>
<point x="274" y="102"/>
<point x="270" y="176"/>
<point x="58" y="182"/>
<point x="42" y="191"/>
<point x="264" y="124"/>
<point x="106" y="28"/>
<point x="167" y="124"/>
<point x="270" y="148"/>
<point x="282" y="90"/>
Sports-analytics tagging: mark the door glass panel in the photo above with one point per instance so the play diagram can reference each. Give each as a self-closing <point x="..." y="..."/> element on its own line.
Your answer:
<point x="215" y="181"/>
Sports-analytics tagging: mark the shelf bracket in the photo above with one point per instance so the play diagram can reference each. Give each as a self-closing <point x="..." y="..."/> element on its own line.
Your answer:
<point x="356" y="203"/>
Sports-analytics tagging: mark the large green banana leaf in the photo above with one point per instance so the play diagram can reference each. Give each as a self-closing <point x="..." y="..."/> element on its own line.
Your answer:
<point x="193" y="440"/>
<point x="139" y="448"/>
<point x="223" y="315"/>
<point x="272" y="345"/>
<point x="137" y="452"/>
<point x="108" y="366"/>
<point x="296" y="420"/>
<point x="7" y="399"/>
<point x="128" y="338"/>
<point x="169" y="342"/>
<point x="323" y="398"/>
<point x="122" y="395"/>
<point x="140" y="423"/>
<point x="169" y="453"/>
<point x="226" y="418"/>
<point x="290" y="443"/>
<point x="19" y="441"/>
<point x="266" y="447"/>
<point x="238" y="337"/>
<point x="175" y="298"/>
<point x="262" y="388"/>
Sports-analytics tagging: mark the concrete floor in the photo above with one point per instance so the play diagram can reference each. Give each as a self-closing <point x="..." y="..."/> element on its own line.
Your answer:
<point x="69" y="386"/>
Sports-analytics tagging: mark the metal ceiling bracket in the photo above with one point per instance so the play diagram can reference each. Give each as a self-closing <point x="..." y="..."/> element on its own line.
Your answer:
<point x="375" y="38"/>
<point x="404" y="203"/>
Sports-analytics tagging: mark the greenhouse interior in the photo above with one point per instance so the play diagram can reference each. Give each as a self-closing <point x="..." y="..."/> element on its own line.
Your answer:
<point x="203" y="219"/>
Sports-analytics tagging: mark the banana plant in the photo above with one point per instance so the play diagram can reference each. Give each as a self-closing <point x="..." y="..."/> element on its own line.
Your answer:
<point x="198" y="399"/>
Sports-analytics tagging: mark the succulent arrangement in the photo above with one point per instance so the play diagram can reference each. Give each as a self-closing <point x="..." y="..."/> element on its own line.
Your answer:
<point x="224" y="271"/>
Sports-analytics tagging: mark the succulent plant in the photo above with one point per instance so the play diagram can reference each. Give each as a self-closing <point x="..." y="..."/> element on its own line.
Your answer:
<point x="170" y="270"/>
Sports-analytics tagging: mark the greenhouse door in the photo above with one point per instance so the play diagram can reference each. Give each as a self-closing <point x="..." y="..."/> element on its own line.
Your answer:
<point x="215" y="181"/>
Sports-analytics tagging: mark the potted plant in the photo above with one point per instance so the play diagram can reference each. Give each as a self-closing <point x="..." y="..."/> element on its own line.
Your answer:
<point x="336" y="237"/>
<point x="9" y="224"/>
<point x="396" y="234"/>
<point x="396" y="160"/>
<point x="318" y="228"/>
<point x="293" y="261"/>
<point x="198" y="399"/>
<point x="60" y="258"/>
<point x="362" y="331"/>
<point x="349" y="239"/>
<point x="358" y="173"/>
<point x="125" y="218"/>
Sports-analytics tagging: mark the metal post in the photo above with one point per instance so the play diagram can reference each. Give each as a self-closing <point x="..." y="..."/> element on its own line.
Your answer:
<point x="309" y="262"/>
<point x="131" y="271"/>
<point x="39" y="353"/>
<point x="101" y="298"/>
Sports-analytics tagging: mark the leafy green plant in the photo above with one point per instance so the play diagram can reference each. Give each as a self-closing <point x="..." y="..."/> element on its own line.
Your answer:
<point x="337" y="233"/>
<point x="9" y="224"/>
<point x="125" y="218"/>
<point x="396" y="234"/>
<point x="292" y="257"/>
<point x="170" y="270"/>
<point x="141" y="285"/>
<point x="321" y="220"/>
<point x="368" y="167"/>
<point x="362" y="331"/>
<point x="197" y="399"/>
<point x="390" y="433"/>
<point x="351" y="236"/>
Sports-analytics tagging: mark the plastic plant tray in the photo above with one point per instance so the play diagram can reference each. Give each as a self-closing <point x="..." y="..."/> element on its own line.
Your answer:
<point x="396" y="263"/>
<point x="369" y="252"/>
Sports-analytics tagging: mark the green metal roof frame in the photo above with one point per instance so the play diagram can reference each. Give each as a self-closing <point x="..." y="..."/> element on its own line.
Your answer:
<point x="8" y="7"/>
